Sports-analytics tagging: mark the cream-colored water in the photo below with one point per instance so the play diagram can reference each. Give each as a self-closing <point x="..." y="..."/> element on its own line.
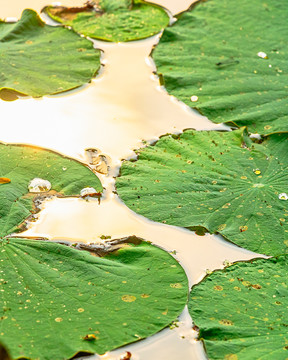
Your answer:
<point x="123" y="106"/>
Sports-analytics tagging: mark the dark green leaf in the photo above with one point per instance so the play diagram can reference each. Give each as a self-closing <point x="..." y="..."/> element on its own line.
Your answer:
<point x="117" y="20"/>
<point x="37" y="59"/>
<point x="57" y="301"/>
<point x="216" y="180"/>
<point x="214" y="51"/>
<point x="242" y="311"/>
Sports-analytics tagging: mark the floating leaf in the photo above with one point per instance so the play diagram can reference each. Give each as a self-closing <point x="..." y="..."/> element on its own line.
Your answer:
<point x="117" y="20"/>
<point x="58" y="299"/>
<point x="30" y="171"/>
<point x="242" y="310"/>
<point x="37" y="59"/>
<point x="219" y="181"/>
<point x="233" y="58"/>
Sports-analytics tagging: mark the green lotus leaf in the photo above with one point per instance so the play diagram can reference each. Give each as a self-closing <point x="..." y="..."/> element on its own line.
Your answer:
<point x="229" y="61"/>
<point x="58" y="301"/>
<point x="117" y="20"/>
<point x="37" y="59"/>
<point x="242" y="310"/>
<point x="219" y="181"/>
<point x="52" y="174"/>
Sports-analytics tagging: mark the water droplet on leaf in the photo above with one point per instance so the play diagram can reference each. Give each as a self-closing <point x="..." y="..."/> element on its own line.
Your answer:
<point x="283" y="196"/>
<point x="89" y="191"/>
<point x="39" y="185"/>
<point x="262" y="55"/>
<point x="257" y="171"/>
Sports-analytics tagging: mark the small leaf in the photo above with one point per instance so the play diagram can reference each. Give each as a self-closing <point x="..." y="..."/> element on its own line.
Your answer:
<point x="56" y="299"/>
<point x="43" y="59"/>
<point x="242" y="310"/>
<point x="219" y="181"/>
<point x="35" y="173"/>
<point x="132" y="20"/>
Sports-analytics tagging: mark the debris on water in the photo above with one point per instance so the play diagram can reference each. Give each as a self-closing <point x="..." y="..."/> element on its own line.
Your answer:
<point x="257" y="171"/>
<point x="283" y="196"/>
<point x="100" y="161"/>
<point x="89" y="191"/>
<point x="105" y="237"/>
<point x="4" y="180"/>
<point x="126" y="356"/>
<point x="39" y="185"/>
<point x="194" y="98"/>
<point x="262" y="55"/>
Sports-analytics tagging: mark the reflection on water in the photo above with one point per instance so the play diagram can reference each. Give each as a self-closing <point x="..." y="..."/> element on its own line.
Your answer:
<point x="14" y="8"/>
<point x="121" y="107"/>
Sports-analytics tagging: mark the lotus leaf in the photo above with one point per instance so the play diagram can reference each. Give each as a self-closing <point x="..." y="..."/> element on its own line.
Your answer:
<point x="117" y="20"/>
<point x="22" y="164"/>
<point x="37" y="59"/>
<point x="229" y="61"/>
<point x="59" y="300"/>
<point x="220" y="181"/>
<point x="242" y="310"/>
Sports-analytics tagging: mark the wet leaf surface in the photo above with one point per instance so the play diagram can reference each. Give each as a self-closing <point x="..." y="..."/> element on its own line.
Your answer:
<point x="229" y="62"/>
<point x="37" y="59"/>
<point x="55" y="298"/>
<point x="34" y="174"/>
<point x="242" y="310"/>
<point x="219" y="181"/>
<point x="117" y="20"/>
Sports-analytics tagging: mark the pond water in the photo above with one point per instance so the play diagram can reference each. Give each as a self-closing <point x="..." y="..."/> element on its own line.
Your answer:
<point x="122" y="107"/>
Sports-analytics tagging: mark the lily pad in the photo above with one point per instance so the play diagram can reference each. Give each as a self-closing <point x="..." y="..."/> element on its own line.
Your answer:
<point x="37" y="59"/>
<point x="117" y="20"/>
<point x="45" y="172"/>
<point x="229" y="61"/>
<point x="219" y="181"/>
<point x="58" y="301"/>
<point x="242" y="310"/>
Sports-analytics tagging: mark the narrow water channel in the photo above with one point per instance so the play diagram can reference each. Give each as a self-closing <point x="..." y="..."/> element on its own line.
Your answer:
<point x="123" y="106"/>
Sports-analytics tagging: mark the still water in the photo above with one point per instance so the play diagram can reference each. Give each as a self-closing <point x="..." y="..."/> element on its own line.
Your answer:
<point x="122" y="107"/>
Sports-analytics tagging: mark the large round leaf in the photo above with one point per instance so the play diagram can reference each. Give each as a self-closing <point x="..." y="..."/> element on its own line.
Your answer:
<point x="22" y="164"/>
<point x="117" y="20"/>
<point x="37" y="59"/>
<point x="216" y="180"/>
<point x="242" y="311"/>
<point x="232" y="57"/>
<point x="57" y="301"/>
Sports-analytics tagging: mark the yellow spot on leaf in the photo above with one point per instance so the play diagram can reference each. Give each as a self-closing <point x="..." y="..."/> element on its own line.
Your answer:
<point x="58" y="319"/>
<point x="176" y="286"/>
<point x="80" y="310"/>
<point x="221" y="227"/>
<point x="231" y="357"/>
<point x="226" y="322"/>
<point x="128" y="298"/>
<point x="145" y="296"/>
<point x="243" y="228"/>
<point x="218" y="288"/>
